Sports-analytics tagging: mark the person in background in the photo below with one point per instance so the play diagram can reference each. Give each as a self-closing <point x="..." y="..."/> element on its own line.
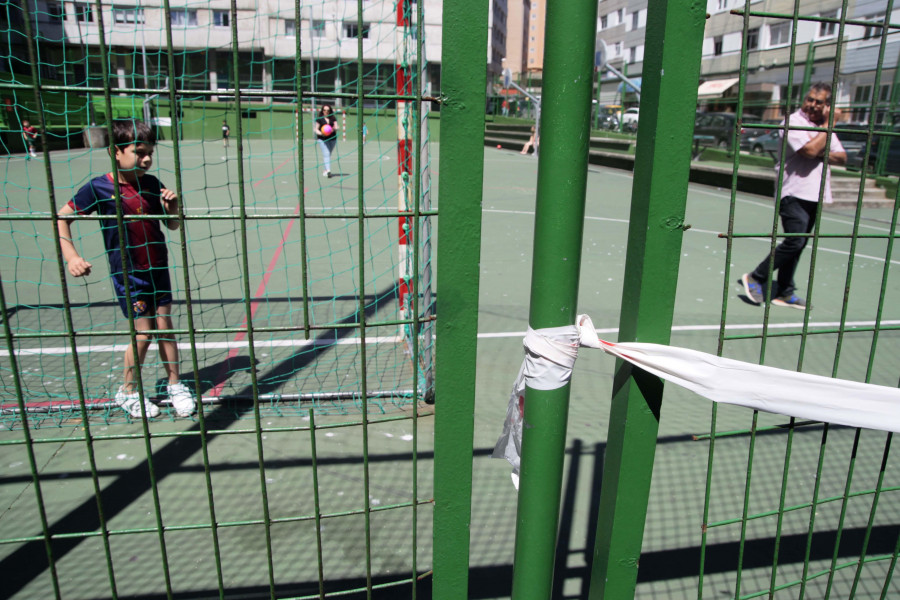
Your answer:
<point x="804" y="161"/>
<point x="326" y="135"/>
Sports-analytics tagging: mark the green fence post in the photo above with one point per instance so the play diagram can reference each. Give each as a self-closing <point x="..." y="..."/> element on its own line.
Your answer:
<point x="463" y="84"/>
<point x="662" y="163"/>
<point x="559" y="218"/>
<point x="807" y="74"/>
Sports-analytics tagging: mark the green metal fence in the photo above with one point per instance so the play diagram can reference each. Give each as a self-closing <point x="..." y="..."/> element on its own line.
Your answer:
<point x="305" y="472"/>
<point x="791" y="509"/>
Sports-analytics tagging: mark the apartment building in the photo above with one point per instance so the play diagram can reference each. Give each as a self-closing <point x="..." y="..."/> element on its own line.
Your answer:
<point x="622" y="24"/>
<point x="338" y="44"/>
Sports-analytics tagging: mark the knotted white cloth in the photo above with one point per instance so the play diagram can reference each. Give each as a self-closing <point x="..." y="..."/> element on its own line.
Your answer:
<point x="550" y="356"/>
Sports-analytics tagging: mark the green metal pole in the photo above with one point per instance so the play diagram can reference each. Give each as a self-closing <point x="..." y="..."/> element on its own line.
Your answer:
<point x="662" y="164"/>
<point x="807" y="74"/>
<point x="463" y="85"/>
<point x="559" y="218"/>
<point x="885" y="142"/>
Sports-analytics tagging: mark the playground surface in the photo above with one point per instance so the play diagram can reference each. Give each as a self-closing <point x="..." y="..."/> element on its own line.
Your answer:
<point x="397" y="469"/>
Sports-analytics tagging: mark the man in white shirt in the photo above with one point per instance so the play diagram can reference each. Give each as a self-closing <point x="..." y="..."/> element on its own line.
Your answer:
<point x="801" y="187"/>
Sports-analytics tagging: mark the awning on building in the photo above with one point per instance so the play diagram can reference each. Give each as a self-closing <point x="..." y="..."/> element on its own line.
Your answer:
<point x="715" y="88"/>
<point x="631" y="89"/>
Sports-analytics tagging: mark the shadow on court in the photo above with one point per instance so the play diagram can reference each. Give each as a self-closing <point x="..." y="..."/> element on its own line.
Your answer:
<point x="30" y="560"/>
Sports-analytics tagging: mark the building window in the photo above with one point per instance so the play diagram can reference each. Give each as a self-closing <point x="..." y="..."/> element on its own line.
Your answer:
<point x="55" y="10"/>
<point x="723" y="4"/>
<point x="632" y="54"/>
<point x="128" y="15"/>
<point x="884" y="98"/>
<point x="620" y="16"/>
<point x="635" y="19"/>
<point x="618" y="49"/>
<point x="861" y="97"/>
<point x="717" y="45"/>
<point x="221" y="18"/>
<point x="354" y="30"/>
<point x="753" y="38"/>
<point x="604" y="21"/>
<point x="779" y="34"/>
<point x="290" y="28"/>
<point x="874" y="30"/>
<point x="827" y="29"/>
<point x="83" y="12"/>
<point x="184" y="18"/>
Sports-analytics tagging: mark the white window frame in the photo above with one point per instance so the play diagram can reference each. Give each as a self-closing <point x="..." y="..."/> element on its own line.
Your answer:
<point x="827" y="30"/>
<point x="83" y="12"/>
<point x="183" y="17"/>
<point x="784" y="30"/>
<point x="128" y="15"/>
<point x="218" y="16"/>
<point x="755" y="31"/>
<point x="361" y="28"/>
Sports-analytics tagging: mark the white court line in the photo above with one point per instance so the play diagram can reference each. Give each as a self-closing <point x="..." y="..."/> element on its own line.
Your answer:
<point x="301" y="343"/>
<point x="297" y="343"/>
<point x="735" y="327"/>
<point x="716" y="233"/>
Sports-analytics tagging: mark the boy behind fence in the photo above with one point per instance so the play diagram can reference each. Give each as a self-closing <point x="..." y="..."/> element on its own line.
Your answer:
<point x="146" y="260"/>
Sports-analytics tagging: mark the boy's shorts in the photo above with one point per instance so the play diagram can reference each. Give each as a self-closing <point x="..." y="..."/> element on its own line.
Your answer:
<point x="148" y="292"/>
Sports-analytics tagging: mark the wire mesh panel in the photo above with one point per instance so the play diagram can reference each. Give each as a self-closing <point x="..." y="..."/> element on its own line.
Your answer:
<point x="805" y="509"/>
<point x="302" y="306"/>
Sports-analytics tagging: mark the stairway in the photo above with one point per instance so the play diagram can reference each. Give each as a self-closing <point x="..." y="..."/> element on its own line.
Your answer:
<point x="845" y="191"/>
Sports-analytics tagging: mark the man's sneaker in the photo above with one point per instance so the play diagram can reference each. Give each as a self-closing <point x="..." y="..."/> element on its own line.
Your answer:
<point x="182" y="399"/>
<point x="131" y="403"/>
<point x="752" y="288"/>
<point x="792" y="301"/>
<point x="327" y="174"/>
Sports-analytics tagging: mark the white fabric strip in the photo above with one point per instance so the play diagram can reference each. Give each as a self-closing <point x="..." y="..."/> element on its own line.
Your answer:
<point x="550" y="356"/>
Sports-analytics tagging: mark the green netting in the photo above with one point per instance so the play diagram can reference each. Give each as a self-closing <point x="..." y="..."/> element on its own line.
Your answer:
<point x="312" y="262"/>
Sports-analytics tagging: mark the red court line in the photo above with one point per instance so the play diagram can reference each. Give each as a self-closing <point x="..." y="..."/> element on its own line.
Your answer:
<point x="254" y="305"/>
<point x="272" y="172"/>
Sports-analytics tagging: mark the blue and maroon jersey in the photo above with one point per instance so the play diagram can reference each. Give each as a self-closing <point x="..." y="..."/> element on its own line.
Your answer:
<point x="145" y="243"/>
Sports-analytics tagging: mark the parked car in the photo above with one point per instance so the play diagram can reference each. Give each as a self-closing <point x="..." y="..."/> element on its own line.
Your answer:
<point x="762" y="142"/>
<point x="630" y="118"/>
<point x="892" y="160"/>
<point x="717" y="128"/>
<point x="757" y="139"/>
<point x="854" y="142"/>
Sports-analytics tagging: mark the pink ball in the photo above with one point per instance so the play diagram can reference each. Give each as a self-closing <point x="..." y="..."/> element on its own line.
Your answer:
<point x="327" y="129"/>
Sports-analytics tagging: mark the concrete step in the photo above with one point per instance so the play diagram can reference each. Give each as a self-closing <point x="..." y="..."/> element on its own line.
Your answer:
<point x="845" y="190"/>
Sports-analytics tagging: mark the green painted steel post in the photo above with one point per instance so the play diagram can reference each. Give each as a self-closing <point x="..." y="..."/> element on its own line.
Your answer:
<point x="885" y="142"/>
<point x="807" y="75"/>
<point x="662" y="163"/>
<point x="463" y="84"/>
<point x="559" y="218"/>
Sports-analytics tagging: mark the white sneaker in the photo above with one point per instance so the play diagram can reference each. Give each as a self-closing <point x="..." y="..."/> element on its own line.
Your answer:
<point x="182" y="399"/>
<point x="327" y="174"/>
<point x="131" y="403"/>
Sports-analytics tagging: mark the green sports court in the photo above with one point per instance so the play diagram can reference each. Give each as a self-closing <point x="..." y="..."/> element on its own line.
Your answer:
<point x="353" y="337"/>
